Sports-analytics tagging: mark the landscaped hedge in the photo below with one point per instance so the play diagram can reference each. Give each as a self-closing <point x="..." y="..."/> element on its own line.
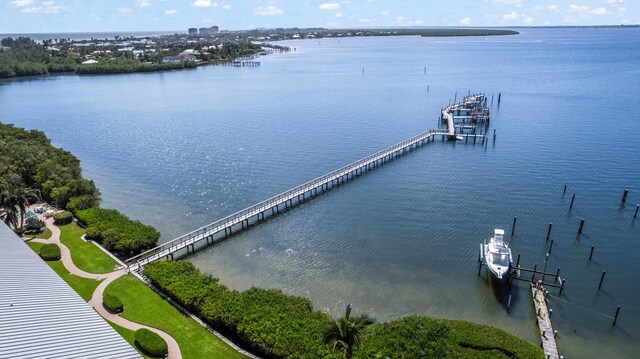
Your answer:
<point x="151" y="343"/>
<point x="268" y="322"/>
<point x="275" y="325"/>
<point x="116" y="232"/>
<point x="78" y="203"/>
<point x="112" y="303"/>
<point x="62" y="218"/>
<point x="50" y="252"/>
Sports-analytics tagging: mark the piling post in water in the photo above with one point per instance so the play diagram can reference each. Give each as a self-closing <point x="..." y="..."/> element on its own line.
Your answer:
<point x="513" y="228"/>
<point x="551" y="246"/>
<point x="499" y="95"/>
<point x="491" y="100"/>
<point x="591" y="253"/>
<point x="518" y="261"/>
<point x="602" y="279"/>
<point x="624" y="197"/>
<point x="425" y="70"/>
<point x="533" y="275"/>
<point x="572" y="199"/>
<point x="565" y="189"/>
<point x="494" y="135"/>
<point x="615" y="317"/>
<point x="581" y="225"/>
<point x="637" y="207"/>
<point x="557" y="274"/>
<point x="455" y="97"/>
<point x="562" y="285"/>
<point x="549" y="231"/>
<point x="427" y="88"/>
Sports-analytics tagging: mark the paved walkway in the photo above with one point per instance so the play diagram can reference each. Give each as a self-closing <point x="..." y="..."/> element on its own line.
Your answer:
<point x="96" y="298"/>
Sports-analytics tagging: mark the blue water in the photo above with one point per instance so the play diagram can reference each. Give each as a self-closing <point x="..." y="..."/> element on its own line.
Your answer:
<point x="181" y="149"/>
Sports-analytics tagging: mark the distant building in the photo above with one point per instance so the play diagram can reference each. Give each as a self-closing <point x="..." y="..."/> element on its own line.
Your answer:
<point x="181" y="57"/>
<point x="193" y="31"/>
<point x="204" y="31"/>
<point x="213" y="29"/>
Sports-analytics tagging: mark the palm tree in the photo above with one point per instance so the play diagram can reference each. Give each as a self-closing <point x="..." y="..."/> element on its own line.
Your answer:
<point x="15" y="205"/>
<point x="345" y="333"/>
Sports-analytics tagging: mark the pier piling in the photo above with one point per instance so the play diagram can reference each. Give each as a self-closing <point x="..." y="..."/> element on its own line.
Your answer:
<point x="518" y="261"/>
<point x="581" y="225"/>
<point x="562" y="285"/>
<point x="636" y="214"/>
<point x="549" y="231"/>
<point x="513" y="227"/>
<point x="550" y="246"/>
<point x="572" y="199"/>
<point x="624" y="197"/>
<point x="591" y="253"/>
<point x="615" y="317"/>
<point x="602" y="279"/>
<point x="565" y="189"/>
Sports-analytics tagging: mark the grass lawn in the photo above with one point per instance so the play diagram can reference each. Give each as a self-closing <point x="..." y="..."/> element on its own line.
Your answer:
<point x="83" y="286"/>
<point x="143" y="305"/>
<point x="85" y="255"/>
<point x="129" y="336"/>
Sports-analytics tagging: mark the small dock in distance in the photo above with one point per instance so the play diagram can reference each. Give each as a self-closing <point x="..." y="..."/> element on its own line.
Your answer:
<point x="543" y="317"/>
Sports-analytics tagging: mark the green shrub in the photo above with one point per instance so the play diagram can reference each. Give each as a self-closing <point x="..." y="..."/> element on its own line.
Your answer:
<point x="50" y="252"/>
<point x="276" y="325"/>
<point x="61" y="218"/>
<point x="116" y="232"/>
<point x="269" y="322"/>
<point x="151" y="343"/>
<point x="79" y="203"/>
<point x="112" y="303"/>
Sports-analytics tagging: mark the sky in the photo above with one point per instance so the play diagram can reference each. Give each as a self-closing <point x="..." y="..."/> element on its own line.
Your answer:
<point x="49" y="16"/>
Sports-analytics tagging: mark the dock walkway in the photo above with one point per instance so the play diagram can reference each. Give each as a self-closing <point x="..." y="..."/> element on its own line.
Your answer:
<point x="543" y="318"/>
<point x="212" y="233"/>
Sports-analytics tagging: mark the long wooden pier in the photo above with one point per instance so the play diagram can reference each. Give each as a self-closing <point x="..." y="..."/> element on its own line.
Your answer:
<point x="224" y="227"/>
<point x="543" y="317"/>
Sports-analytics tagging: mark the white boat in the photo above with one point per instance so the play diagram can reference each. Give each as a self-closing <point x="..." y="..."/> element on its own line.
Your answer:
<point x="497" y="255"/>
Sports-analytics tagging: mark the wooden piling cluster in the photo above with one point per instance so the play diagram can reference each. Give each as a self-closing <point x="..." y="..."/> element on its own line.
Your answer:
<point x="241" y="220"/>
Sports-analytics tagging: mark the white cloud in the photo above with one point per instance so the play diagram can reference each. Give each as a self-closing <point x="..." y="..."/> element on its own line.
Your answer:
<point x="123" y="10"/>
<point x="528" y="20"/>
<point x="226" y="6"/>
<point x="338" y="15"/>
<point x="465" y="21"/>
<point x="171" y="12"/>
<point x="553" y="8"/>
<point x="384" y="12"/>
<point x="511" y="16"/>
<point x="599" y="11"/>
<point x="143" y="3"/>
<point x="329" y="6"/>
<point x="578" y="8"/>
<point x="204" y="3"/>
<point x="517" y="3"/>
<point x="22" y="3"/>
<point x="269" y="10"/>
<point x="47" y="7"/>
<point x="400" y="18"/>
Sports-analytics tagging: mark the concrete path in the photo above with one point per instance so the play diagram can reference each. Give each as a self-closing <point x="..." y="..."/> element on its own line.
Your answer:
<point x="96" y="298"/>
<point x="96" y="303"/>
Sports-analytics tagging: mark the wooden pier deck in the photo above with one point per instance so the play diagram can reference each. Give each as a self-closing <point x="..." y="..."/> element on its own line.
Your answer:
<point x="224" y="227"/>
<point x="547" y="335"/>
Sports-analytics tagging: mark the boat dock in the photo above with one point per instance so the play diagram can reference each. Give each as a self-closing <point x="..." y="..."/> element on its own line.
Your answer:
<point x="543" y="317"/>
<point x="221" y="229"/>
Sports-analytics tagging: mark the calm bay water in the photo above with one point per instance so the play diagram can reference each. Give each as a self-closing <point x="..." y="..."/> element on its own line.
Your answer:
<point x="181" y="149"/>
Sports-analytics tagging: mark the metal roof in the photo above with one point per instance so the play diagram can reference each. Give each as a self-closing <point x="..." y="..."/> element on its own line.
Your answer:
<point x="42" y="317"/>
